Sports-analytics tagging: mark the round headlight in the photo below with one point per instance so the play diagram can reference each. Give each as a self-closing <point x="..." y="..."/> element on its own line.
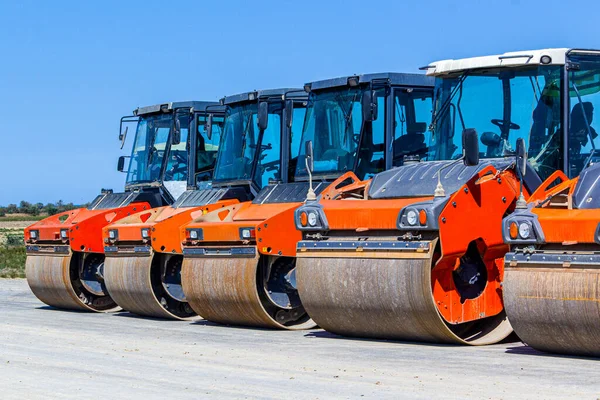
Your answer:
<point x="411" y="217"/>
<point x="312" y="218"/>
<point x="524" y="230"/>
<point x="193" y="234"/>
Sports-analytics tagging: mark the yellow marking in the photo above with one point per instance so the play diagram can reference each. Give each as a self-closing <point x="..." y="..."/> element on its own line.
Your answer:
<point x="559" y="299"/>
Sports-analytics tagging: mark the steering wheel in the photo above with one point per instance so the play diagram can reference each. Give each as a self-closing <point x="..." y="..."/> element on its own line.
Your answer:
<point x="500" y="124"/>
<point x="263" y="147"/>
<point x="181" y="159"/>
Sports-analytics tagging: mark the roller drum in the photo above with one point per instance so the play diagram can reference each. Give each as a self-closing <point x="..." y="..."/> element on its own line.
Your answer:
<point x="555" y="309"/>
<point x="225" y="290"/>
<point x="134" y="286"/>
<point x="53" y="279"/>
<point x="384" y="298"/>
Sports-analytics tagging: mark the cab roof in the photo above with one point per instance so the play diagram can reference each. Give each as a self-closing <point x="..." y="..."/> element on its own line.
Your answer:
<point x="393" y="78"/>
<point x="557" y="56"/>
<point x="169" y="107"/>
<point x="293" y="93"/>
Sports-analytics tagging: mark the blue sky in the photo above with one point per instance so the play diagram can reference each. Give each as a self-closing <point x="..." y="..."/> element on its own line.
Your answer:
<point x="70" y="70"/>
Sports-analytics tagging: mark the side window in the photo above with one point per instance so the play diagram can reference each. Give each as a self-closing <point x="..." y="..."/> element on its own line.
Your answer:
<point x="297" y="123"/>
<point x="372" y="150"/>
<point x="269" y="153"/>
<point x="158" y="153"/>
<point x="584" y="93"/>
<point x="207" y="148"/>
<point x="412" y="116"/>
<point x="177" y="165"/>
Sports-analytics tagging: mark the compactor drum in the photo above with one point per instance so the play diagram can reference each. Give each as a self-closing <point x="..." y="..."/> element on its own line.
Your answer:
<point x="65" y="252"/>
<point x="420" y="257"/>
<point x="552" y="272"/>
<point x="239" y="262"/>
<point x="250" y="136"/>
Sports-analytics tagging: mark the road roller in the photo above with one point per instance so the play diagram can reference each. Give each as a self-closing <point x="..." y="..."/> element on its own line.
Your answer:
<point x="65" y="252"/>
<point x="229" y="274"/>
<point x="418" y="255"/>
<point x="254" y="135"/>
<point x="552" y="271"/>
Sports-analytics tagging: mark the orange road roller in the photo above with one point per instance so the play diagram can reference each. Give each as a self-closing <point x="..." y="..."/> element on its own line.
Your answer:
<point x="418" y="255"/>
<point x="552" y="272"/>
<point x="251" y="141"/>
<point x="354" y="127"/>
<point x="65" y="252"/>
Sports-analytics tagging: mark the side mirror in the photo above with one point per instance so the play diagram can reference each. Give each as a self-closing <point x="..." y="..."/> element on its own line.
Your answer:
<point x="289" y="113"/>
<point x="310" y="165"/>
<point x="123" y="136"/>
<point x="208" y="126"/>
<point x="176" y="132"/>
<point x="369" y="106"/>
<point x="121" y="164"/>
<point x="470" y="143"/>
<point x="263" y="115"/>
<point x="521" y="161"/>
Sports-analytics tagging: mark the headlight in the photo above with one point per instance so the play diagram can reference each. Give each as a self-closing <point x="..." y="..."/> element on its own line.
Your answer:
<point x="194" y="234"/>
<point x="33" y="235"/>
<point x="112" y="234"/>
<point x="411" y="217"/>
<point x="524" y="230"/>
<point x="247" y="233"/>
<point x="312" y="218"/>
<point x="64" y="234"/>
<point x="145" y="233"/>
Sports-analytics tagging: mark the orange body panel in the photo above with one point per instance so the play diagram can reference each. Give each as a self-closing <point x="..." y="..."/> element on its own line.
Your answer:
<point x="223" y="225"/>
<point x="278" y="233"/>
<point x="568" y="226"/>
<point x="163" y="223"/>
<point x="274" y="225"/>
<point x="474" y="214"/>
<point x="85" y="227"/>
<point x="365" y="215"/>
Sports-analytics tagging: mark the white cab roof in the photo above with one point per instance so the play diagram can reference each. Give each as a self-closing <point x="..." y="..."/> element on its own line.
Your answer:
<point x="515" y="58"/>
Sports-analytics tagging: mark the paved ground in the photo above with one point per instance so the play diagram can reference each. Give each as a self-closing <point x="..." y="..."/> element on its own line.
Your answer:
<point x="49" y="353"/>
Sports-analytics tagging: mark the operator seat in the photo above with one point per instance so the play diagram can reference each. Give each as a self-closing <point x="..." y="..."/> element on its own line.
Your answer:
<point x="412" y="143"/>
<point x="578" y="132"/>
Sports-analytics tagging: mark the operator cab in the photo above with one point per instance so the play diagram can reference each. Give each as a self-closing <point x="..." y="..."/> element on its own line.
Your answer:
<point x="159" y="160"/>
<point x="255" y="131"/>
<point x="546" y="97"/>
<point x="366" y="124"/>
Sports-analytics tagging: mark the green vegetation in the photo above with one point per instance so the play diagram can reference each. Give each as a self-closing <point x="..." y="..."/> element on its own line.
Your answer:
<point x="13" y="219"/>
<point x="12" y="262"/>
<point x="20" y="218"/>
<point x="27" y="211"/>
<point x="12" y="254"/>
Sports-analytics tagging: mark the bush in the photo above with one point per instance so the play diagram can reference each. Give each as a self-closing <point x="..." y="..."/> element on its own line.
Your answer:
<point x="16" y="239"/>
<point x="12" y="262"/>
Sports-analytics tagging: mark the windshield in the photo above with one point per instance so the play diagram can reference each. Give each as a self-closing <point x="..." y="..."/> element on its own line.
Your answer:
<point x="149" y="148"/>
<point x="333" y="123"/>
<point x="502" y="105"/>
<point x="242" y="146"/>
